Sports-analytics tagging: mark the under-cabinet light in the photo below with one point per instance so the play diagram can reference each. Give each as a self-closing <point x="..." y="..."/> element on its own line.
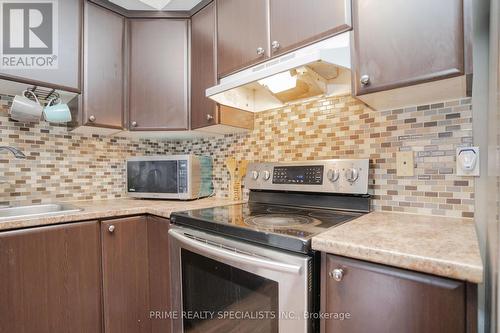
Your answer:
<point x="279" y="82"/>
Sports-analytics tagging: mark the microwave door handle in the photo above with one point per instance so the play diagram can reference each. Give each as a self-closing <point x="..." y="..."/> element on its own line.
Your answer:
<point x="236" y="257"/>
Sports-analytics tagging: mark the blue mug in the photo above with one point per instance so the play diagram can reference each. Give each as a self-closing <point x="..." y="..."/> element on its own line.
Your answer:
<point x="57" y="113"/>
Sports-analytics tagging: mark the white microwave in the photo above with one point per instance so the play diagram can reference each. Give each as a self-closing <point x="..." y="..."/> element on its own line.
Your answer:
<point x="182" y="177"/>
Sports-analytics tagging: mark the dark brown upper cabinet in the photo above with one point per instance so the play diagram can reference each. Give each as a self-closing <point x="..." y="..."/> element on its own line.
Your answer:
<point x="158" y="79"/>
<point x="66" y="43"/>
<point x="242" y="34"/>
<point x="104" y="49"/>
<point x="205" y="113"/>
<point x="401" y="43"/>
<point x="50" y="279"/>
<point x="383" y="299"/>
<point x="295" y="23"/>
<point x="203" y="66"/>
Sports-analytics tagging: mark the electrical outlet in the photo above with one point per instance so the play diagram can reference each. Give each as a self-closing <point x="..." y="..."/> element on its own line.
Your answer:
<point x="405" y="164"/>
<point x="468" y="161"/>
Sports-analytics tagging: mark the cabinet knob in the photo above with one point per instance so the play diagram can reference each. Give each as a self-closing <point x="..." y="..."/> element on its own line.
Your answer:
<point x="364" y="80"/>
<point x="111" y="228"/>
<point x="275" y="45"/>
<point x="92" y="118"/>
<point x="260" y="51"/>
<point x="134" y="124"/>
<point x="210" y="117"/>
<point x="337" y="274"/>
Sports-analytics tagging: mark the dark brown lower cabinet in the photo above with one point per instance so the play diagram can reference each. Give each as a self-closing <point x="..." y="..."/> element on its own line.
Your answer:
<point x="125" y="275"/>
<point x="135" y="274"/>
<point x="50" y="279"/>
<point x="159" y="273"/>
<point x="381" y="299"/>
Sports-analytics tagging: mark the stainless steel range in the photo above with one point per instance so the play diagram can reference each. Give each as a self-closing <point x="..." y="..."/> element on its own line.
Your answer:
<point x="250" y="267"/>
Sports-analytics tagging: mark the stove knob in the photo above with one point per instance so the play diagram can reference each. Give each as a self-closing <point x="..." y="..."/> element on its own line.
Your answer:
<point x="266" y="175"/>
<point x="255" y="175"/>
<point x="333" y="175"/>
<point x="352" y="175"/>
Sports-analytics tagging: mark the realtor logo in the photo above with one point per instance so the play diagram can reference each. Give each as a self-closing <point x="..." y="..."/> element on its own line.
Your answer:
<point x="29" y="34"/>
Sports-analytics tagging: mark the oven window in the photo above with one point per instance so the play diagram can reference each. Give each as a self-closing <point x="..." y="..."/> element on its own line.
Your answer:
<point x="152" y="176"/>
<point x="220" y="298"/>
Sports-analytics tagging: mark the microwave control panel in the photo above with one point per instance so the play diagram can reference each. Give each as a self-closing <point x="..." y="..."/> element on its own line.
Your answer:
<point x="182" y="176"/>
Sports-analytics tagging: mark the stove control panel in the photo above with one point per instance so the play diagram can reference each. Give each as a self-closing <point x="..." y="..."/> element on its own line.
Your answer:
<point x="307" y="175"/>
<point x="329" y="176"/>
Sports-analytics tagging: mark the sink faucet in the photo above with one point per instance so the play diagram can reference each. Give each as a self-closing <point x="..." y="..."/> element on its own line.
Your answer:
<point x="16" y="152"/>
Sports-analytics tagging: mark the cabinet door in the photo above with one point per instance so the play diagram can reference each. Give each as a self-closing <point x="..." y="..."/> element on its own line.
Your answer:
<point x="382" y="299"/>
<point x="158" y="74"/>
<point x="65" y="42"/>
<point x="50" y="279"/>
<point x="159" y="272"/>
<point x="203" y="72"/>
<point x="295" y="23"/>
<point x="125" y="275"/>
<point x="398" y="43"/>
<point x="242" y="34"/>
<point x="103" y="67"/>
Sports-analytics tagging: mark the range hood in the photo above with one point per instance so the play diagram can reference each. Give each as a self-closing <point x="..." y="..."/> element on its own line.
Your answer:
<point x="319" y="69"/>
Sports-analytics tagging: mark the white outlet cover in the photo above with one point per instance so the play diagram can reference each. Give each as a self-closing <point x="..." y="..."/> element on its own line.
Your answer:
<point x="467" y="161"/>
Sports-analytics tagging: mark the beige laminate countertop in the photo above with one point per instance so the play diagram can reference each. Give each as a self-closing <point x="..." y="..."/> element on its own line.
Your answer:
<point x="436" y="245"/>
<point x="431" y="244"/>
<point x="93" y="210"/>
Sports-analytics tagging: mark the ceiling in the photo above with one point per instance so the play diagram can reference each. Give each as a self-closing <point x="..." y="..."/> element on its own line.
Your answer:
<point x="155" y="5"/>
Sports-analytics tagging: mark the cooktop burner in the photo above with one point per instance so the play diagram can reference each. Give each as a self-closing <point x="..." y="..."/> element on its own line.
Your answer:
<point x="278" y="221"/>
<point x="276" y="225"/>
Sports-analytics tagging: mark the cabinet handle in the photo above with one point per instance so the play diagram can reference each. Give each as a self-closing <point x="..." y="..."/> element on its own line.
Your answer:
<point x="337" y="274"/>
<point x="364" y="80"/>
<point x="260" y="51"/>
<point x="275" y="45"/>
<point x="134" y="124"/>
<point x="210" y="117"/>
<point x="92" y="118"/>
<point x="111" y="228"/>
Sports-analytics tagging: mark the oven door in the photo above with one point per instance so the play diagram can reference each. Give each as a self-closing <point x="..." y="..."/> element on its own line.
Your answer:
<point x="223" y="285"/>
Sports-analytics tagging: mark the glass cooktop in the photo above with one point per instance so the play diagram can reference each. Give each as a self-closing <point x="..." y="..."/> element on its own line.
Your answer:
<point x="285" y="227"/>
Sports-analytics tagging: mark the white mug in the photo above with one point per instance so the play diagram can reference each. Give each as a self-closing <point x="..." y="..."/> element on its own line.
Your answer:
<point x="24" y="109"/>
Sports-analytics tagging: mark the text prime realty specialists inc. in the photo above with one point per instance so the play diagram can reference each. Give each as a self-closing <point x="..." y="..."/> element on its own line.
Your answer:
<point x="247" y="315"/>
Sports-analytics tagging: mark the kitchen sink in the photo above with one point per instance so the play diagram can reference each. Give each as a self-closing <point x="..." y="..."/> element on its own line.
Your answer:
<point x="33" y="211"/>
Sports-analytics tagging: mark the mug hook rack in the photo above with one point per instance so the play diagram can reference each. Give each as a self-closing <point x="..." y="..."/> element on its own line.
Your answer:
<point x="44" y="95"/>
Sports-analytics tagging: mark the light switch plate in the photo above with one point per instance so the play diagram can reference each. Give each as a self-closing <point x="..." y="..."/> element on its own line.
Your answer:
<point x="405" y="164"/>
<point x="471" y="170"/>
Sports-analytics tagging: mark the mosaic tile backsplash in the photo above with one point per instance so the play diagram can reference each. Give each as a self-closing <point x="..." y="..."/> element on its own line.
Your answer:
<point x="63" y="166"/>
<point x="343" y="127"/>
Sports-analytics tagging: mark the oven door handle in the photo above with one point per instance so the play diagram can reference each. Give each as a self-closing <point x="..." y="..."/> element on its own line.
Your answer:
<point x="234" y="256"/>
